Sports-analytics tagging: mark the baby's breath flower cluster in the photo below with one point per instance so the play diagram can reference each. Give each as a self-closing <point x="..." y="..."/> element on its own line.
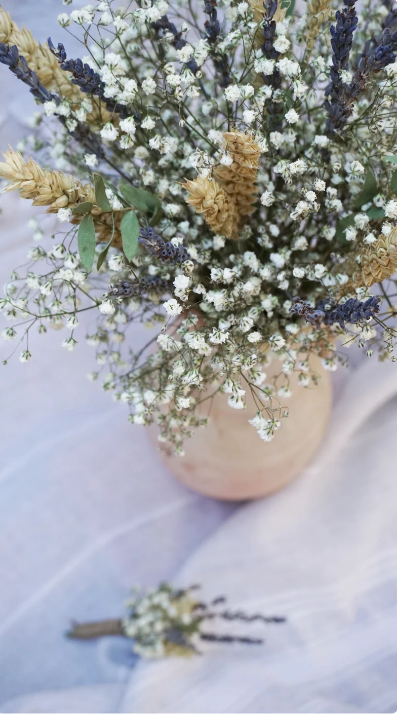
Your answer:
<point x="170" y="622"/>
<point x="227" y="178"/>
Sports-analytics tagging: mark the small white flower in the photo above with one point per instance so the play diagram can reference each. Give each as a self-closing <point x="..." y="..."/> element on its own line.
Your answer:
<point x="64" y="215"/>
<point x="369" y="238"/>
<point x="226" y="159"/>
<point x="109" y="132"/>
<point x="105" y="19"/>
<point x="361" y="220"/>
<point x="276" y="341"/>
<point x="148" y="123"/>
<point x="107" y="308"/>
<point x="149" y="86"/>
<point x="50" y="108"/>
<point x="391" y="209"/>
<point x="120" y="24"/>
<point x="69" y="344"/>
<point x="282" y="44"/>
<point x="185" y="53"/>
<point x="8" y="334"/>
<point x="254" y="337"/>
<point x="249" y="116"/>
<point x="319" y="185"/>
<point x="25" y="356"/>
<point x="321" y="140"/>
<point x="356" y="167"/>
<point x="86" y="14"/>
<point x="181" y="283"/>
<point x="233" y="93"/>
<point x="72" y="322"/>
<point x="298" y="272"/>
<point x="236" y="402"/>
<point x="172" y="307"/>
<point x="91" y="160"/>
<point x="292" y="117"/>
<point x="267" y="198"/>
<point x="242" y="8"/>
<point x="319" y="271"/>
<point x="329" y="364"/>
<point x="63" y="19"/>
<point x="128" y="125"/>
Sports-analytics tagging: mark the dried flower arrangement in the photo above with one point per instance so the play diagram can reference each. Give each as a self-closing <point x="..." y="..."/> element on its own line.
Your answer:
<point x="239" y="196"/>
<point x="168" y="622"/>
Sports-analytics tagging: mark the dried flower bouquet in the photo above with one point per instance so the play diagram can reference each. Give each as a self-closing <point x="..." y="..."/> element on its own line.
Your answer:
<point x="223" y="172"/>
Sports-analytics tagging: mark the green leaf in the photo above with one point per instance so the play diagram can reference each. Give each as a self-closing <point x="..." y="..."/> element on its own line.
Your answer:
<point x="391" y="159"/>
<point x="130" y="232"/>
<point x="103" y="254"/>
<point x="86" y="242"/>
<point x="140" y="199"/>
<point x="156" y="217"/>
<point x="393" y="182"/>
<point x="342" y="225"/>
<point x="369" y="190"/>
<point x="131" y="194"/>
<point x="151" y="200"/>
<point x="375" y="212"/>
<point x="291" y="8"/>
<point x="100" y="193"/>
<point x="83" y="208"/>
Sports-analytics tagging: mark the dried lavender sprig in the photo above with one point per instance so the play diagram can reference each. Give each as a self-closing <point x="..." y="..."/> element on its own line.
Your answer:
<point x="147" y="284"/>
<point x="10" y="57"/>
<point x="352" y="311"/>
<point x="17" y="64"/>
<point x="90" y="81"/>
<point x="163" y="250"/>
<point x="274" y="80"/>
<point x="165" y="26"/>
<point x="229" y="638"/>
<point x="213" y="29"/>
<point x="341" y="42"/>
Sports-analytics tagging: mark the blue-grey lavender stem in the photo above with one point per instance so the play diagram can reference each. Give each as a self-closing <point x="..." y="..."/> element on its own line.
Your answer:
<point x="10" y="57"/>
<point x="139" y="287"/>
<point x="165" y="251"/>
<point x="90" y="82"/>
<point x="275" y="109"/>
<point x="213" y="30"/>
<point x="328" y="313"/>
<point x="336" y="103"/>
<point x="164" y="26"/>
<point x="17" y="64"/>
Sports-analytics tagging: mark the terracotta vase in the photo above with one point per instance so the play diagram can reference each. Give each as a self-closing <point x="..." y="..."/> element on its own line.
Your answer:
<point x="227" y="459"/>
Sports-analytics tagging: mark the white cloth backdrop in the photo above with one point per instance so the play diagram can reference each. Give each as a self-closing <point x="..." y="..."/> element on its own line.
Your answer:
<point x="87" y="510"/>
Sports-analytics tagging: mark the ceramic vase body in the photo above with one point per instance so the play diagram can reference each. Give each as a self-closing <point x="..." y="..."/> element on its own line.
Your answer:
<point x="227" y="459"/>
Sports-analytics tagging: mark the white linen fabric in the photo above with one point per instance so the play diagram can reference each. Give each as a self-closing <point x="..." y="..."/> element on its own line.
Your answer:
<point x="87" y="510"/>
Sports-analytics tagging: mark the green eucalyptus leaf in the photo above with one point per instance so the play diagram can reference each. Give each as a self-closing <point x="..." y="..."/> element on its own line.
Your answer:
<point x="291" y="8"/>
<point x="342" y="225"/>
<point x="130" y="233"/>
<point x="391" y="159"/>
<point x="156" y="217"/>
<point x="103" y="254"/>
<point x="393" y="182"/>
<point x="151" y="200"/>
<point x="86" y="242"/>
<point x="369" y="190"/>
<point x="83" y="208"/>
<point x="376" y="212"/>
<point x="100" y="193"/>
<point x="131" y="194"/>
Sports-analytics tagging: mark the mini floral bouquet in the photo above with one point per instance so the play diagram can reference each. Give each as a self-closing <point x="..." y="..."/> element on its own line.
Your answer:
<point x="169" y="622"/>
<point x="222" y="172"/>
